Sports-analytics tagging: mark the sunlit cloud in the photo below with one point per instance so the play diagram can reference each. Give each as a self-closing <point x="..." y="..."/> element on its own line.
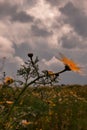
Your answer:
<point x="44" y="12"/>
<point x="6" y="47"/>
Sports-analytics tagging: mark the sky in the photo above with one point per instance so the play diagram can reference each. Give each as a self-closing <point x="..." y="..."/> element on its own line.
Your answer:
<point x="45" y="28"/>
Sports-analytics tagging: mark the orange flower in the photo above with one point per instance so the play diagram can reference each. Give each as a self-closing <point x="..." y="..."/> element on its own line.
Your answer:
<point x="70" y="63"/>
<point x="8" y="80"/>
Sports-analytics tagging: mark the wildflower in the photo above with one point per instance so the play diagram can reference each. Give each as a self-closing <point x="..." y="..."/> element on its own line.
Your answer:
<point x="70" y="65"/>
<point x="52" y="104"/>
<point x="50" y="112"/>
<point x="49" y="74"/>
<point x="8" y="80"/>
<point x="25" y="122"/>
<point x="9" y="102"/>
<point x="60" y="99"/>
<point x="1" y="102"/>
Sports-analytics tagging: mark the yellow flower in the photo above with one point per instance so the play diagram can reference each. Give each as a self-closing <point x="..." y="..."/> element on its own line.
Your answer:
<point x="70" y="63"/>
<point x="50" y="74"/>
<point x="8" y="80"/>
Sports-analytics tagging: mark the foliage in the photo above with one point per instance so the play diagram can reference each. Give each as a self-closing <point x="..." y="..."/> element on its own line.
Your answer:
<point x="30" y="70"/>
<point x="44" y="108"/>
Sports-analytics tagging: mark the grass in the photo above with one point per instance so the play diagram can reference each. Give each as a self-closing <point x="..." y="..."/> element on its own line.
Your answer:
<point x="44" y="108"/>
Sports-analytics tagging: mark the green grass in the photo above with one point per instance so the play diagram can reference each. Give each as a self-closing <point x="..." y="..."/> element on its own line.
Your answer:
<point x="44" y="108"/>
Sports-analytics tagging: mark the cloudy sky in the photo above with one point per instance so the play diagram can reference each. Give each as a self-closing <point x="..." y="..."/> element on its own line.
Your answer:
<point x="44" y="27"/>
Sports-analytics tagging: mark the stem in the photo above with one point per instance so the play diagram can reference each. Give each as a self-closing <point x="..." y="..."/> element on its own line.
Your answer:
<point x="60" y="72"/>
<point x="34" y="66"/>
<point x="67" y="68"/>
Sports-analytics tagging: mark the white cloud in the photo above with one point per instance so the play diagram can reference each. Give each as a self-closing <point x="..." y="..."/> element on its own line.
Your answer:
<point x="7" y="50"/>
<point x="17" y="32"/>
<point x="4" y="29"/>
<point x="44" y="12"/>
<point x="51" y="61"/>
<point x="17" y="60"/>
<point x="52" y="64"/>
<point x="6" y="47"/>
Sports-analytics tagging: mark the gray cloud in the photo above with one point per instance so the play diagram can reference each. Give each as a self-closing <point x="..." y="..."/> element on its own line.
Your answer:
<point x="23" y="46"/>
<point x="38" y="31"/>
<point x="40" y="47"/>
<point x="76" y="18"/>
<point x="72" y="78"/>
<point x="56" y="2"/>
<point x="6" y="9"/>
<point x="69" y="43"/>
<point x="53" y="2"/>
<point x="43" y="50"/>
<point x="22" y="17"/>
<point x="21" y="3"/>
<point x="16" y="11"/>
<point x="31" y="2"/>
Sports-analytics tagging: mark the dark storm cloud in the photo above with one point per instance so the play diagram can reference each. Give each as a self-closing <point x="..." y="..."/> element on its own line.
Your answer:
<point x="76" y="18"/>
<point x="43" y="32"/>
<point x="6" y="9"/>
<point x="22" y="17"/>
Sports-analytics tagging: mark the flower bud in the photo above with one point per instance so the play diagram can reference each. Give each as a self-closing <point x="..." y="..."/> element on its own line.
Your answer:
<point x="30" y="55"/>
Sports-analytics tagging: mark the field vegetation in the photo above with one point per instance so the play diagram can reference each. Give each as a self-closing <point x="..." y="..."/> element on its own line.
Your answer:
<point x="44" y="108"/>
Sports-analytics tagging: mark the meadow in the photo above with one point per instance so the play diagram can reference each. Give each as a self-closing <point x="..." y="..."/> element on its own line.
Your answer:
<point x="44" y="108"/>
